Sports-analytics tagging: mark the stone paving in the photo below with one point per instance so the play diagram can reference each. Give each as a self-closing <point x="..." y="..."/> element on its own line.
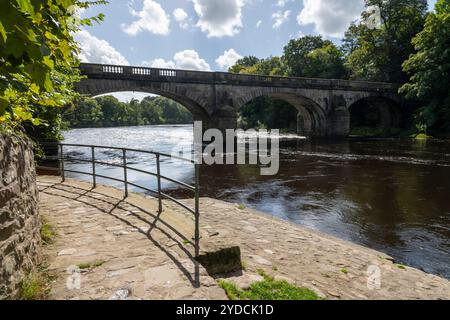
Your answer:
<point x="137" y="255"/>
<point x="121" y="249"/>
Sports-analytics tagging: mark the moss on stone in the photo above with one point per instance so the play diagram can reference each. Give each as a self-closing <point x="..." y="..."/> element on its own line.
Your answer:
<point x="222" y="261"/>
<point x="91" y="265"/>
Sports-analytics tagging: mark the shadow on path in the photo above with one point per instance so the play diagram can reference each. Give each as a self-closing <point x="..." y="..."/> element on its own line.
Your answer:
<point x="157" y="224"/>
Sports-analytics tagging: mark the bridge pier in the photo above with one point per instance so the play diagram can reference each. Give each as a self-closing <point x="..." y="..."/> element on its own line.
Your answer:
<point x="224" y="118"/>
<point x="338" y="118"/>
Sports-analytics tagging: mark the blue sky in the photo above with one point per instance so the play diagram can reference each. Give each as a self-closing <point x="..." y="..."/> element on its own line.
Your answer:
<point x="208" y="34"/>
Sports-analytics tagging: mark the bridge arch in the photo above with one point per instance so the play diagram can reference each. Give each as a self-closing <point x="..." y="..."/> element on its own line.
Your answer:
<point x="186" y="98"/>
<point x="375" y="112"/>
<point x="311" y="117"/>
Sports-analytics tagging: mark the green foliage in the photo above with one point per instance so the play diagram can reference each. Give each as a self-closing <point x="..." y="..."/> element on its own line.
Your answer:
<point x="326" y="62"/>
<point x="378" y="53"/>
<point x="430" y="72"/>
<point x="37" y="56"/>
<point x="47" y="233"/>
<point x="268" y="289"/>
<point x="91" y="265"/>
<point x="36" y="286"/>
<point x="272" y="66"/>
<point x="422" y="136"/>
<point x="108" y="111"/>
<point x="313" y="57"/>
<point x="243" y="63"/>
<point x="50" y="129"/>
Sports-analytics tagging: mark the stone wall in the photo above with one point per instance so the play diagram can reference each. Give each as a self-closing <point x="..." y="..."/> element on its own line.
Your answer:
<point x="19" y="219"/>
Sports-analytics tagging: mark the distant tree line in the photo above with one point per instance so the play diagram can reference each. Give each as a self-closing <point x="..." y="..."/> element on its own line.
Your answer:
<point x="409" y="46"/>
<point x="108" y="111"/>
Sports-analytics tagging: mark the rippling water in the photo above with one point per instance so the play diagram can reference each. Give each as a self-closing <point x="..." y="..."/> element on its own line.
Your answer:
<point x="390" y="195"/>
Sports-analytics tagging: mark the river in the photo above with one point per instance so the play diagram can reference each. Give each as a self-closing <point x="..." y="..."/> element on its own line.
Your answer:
<point x="389" y="195"/>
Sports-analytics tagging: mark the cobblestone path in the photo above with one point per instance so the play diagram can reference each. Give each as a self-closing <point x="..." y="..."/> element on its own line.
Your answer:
<point x="149" y="258"/>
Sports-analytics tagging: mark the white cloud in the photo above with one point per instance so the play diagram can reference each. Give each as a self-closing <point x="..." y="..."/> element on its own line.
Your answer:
<point x="228" y="59"/>
<point x="330" y="18"/>
<point x="280" y="18"/>
<point x="151" y="18"/>
<point x="258" y="24"/>
<point x="161" y="63"/>
<point x="282" y="3"/>
<point x="186" y="60"/>
<point x="181" y="16"/>
<point x="95" y="50"/>
<point x="219" y="18"/>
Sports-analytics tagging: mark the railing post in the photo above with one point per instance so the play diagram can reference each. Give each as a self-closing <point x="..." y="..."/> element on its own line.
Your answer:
<point x="61" y="162"/>
<point x="94" y="177"/>
<point x="158" y="176"/>
<point x="125" y="176"/>
<point x="197" y="210"/>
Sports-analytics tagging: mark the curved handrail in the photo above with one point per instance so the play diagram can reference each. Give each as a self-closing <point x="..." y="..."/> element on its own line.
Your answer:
<point x="160" y="195"/>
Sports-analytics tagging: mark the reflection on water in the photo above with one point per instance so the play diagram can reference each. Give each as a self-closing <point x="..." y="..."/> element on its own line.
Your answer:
<point x="390" y="195"/>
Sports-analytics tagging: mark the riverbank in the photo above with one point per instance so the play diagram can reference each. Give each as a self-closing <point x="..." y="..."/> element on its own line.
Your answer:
<point x="119" y="247"/>
<point x="387" y="194"/>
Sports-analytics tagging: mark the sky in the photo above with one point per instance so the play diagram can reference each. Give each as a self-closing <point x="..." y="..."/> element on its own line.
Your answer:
<point x="207" y="34"/>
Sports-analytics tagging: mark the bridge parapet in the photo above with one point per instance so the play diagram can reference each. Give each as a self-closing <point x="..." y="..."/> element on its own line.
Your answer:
<point x="101" y="71"/>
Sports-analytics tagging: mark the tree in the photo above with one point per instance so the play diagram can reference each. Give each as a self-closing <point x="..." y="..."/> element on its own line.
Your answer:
<point x="108" y="111"/>
<point x="84" y="114"/>
<point x="172" y="112"/>
<point x="351" y="39"/>
<point x="113" y="111"/>
<point x="296" y="53"/>
<point x="272" y="66"/>
<point x="313" y="57"/>
<point x="243" y="63"/>
<point x="37" y="56"/>
<point x="430" y="71"/>
<point x="326" y="62"/>
<point x="377" y="53"/>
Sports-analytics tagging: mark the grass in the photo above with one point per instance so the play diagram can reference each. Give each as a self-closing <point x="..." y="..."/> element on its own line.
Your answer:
<point x="422" y="136"/>
<point x="401" y="266"/>
<point x="36" y="286"/>
<point x="268" y="289"/>
<point x="241" y="206"/>
<point x="344" y="270"/>
<point x="91" y="265"/>
<point x="47" y="232"/>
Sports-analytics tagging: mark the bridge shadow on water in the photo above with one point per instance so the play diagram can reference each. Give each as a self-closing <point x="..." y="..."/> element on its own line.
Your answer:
<point x="155" y="222"/>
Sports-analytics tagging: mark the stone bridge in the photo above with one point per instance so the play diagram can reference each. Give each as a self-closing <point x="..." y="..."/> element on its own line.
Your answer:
<point x="324" y="106"/>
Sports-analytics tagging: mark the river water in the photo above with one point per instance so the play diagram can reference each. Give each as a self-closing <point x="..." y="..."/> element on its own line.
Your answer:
<point x="389" y="195"/>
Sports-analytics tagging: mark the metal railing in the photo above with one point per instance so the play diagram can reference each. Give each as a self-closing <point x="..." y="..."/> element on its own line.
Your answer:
<point x="160" y="195"/>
